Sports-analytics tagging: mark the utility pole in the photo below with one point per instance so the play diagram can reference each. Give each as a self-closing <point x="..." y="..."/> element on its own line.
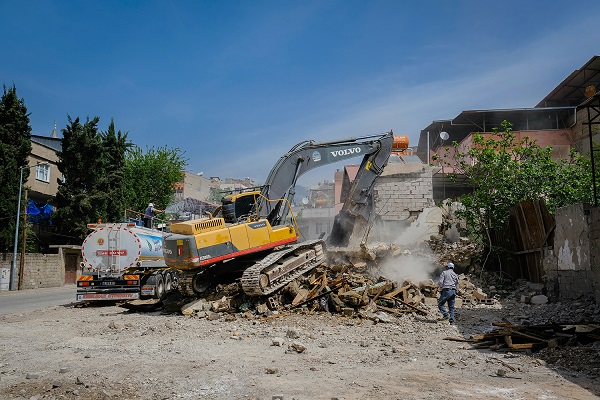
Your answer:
<point x="22" y="261"/>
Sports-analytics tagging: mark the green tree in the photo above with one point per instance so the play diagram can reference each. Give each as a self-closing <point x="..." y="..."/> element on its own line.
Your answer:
<point x="80" y="200"/>
<point x="151" y="176"/>
<point x="112" y="181"/>
<point x="15" y="147"/>
<point x="505" y="171"/>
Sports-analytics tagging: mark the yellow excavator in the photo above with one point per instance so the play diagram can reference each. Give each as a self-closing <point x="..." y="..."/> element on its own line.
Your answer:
<point x="254" y="232"/>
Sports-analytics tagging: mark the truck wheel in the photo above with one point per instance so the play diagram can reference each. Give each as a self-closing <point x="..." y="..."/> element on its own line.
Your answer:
<point x="160" y="288"/>
<point x="168" y="282"/>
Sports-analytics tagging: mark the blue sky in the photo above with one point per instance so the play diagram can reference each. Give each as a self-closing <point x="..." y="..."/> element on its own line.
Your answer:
<point x="235" y="84"/>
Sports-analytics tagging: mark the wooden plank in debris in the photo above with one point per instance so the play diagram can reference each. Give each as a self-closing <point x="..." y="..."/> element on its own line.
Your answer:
<point x="392" y="310"/>
<point x="413" y="307"/>
<point x="392" y="295"/>
<point x="522" y="346"/>
<point x="316" y="296"/>
<point x="484" y="344"/>
<point x="516" y="332"/>
<point x="455" y="339"/>
<point x="507" y="365"/>
<point x="300" y="297"/>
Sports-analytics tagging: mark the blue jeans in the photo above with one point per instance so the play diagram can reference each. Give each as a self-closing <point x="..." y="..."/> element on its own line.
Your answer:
<point x="448" y="295"/>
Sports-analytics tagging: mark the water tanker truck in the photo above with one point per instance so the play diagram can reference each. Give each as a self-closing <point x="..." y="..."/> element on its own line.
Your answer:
<point x="124" y="261"/>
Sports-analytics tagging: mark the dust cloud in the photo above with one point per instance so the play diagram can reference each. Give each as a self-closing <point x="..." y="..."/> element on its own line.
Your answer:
<point x="408" y="267"/>
<point x="417" y="261"/>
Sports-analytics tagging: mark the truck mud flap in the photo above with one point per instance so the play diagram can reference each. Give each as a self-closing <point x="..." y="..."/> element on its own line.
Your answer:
<point x="108" y="296"/>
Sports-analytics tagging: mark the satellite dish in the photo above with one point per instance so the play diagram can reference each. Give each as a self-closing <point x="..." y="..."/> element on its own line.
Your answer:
<point x="444" y="135"/>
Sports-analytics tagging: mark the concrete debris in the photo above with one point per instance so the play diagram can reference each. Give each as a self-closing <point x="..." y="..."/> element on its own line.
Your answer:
<point x="297" y="347"/>
<point x="539" y="299"/>
<point x="462" y="252"/>
<point x="195" y="306"/>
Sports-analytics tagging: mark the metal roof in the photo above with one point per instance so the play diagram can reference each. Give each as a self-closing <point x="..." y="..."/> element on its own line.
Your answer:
<point x="470" y="121"/>
<point x="570" y="92"/>
<point x="522" y="119"/>
<point x="53" y="143"/>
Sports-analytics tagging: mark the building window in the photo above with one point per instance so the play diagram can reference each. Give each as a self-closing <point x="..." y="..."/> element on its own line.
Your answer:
<point x="42" y="172"/>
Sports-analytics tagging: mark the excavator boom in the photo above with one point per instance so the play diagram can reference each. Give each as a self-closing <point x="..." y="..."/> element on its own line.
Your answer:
<point x="308" y="155"/>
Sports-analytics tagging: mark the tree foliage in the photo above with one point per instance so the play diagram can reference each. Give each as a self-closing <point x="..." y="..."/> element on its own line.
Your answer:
<point x="92" y="164"/>
<point x="505" y="171"/>
<point x="104" y="175"/>
<point x="15" y="147"/>
<point x="112" y="181"/>
<point x="151" y="176"/>
<point x="80" y="199"/>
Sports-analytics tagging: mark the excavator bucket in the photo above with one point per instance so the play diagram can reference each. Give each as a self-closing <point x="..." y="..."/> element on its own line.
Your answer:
<point x="348" y="231"/>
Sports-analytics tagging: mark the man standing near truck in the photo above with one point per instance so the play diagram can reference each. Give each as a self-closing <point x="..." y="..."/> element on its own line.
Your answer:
<point x="149" y="215"/>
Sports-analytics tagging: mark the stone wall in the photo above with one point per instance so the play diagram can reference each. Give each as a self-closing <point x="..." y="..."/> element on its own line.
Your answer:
<point x="571" y="266"/>
<point x="39" y="270"/>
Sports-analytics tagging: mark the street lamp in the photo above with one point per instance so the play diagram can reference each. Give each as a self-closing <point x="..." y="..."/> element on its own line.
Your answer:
<point x="14" y="263"/>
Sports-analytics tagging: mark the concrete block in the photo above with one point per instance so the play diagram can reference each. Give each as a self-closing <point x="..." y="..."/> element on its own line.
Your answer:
<point x="430" y="301"/>
<point x="539" y="299"/>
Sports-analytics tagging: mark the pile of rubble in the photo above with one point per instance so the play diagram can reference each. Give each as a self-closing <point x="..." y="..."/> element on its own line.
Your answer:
<point x="337" y="289"/>
<point x="461" y="252"/>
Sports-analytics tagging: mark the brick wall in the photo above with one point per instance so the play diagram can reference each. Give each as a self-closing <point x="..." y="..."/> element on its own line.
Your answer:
<point x="403" y="191"/>
<point x="39" y="270"/>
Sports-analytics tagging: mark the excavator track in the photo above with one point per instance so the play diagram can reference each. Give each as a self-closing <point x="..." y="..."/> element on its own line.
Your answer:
<point x="281" y="267"/>
<point x="185" y="283"/>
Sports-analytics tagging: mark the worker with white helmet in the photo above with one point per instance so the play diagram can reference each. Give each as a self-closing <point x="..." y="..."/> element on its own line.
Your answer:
<point x="149" y="215"/>
<point x="448" y="282"/>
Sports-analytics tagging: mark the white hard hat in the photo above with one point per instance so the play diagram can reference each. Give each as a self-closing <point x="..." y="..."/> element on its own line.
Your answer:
<point x="450" y="265"/>
<point x="150" y="205"/>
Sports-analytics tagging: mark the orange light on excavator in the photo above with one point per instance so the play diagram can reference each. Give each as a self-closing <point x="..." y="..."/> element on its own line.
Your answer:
<point x="400" y="146"/>
<point x="400" y="143"/>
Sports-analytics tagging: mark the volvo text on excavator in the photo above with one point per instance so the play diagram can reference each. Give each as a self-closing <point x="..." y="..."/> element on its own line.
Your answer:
<point x="254" y="231"/>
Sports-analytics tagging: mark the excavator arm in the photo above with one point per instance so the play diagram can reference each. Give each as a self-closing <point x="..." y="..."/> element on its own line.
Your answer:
<point x="308" y="155"/>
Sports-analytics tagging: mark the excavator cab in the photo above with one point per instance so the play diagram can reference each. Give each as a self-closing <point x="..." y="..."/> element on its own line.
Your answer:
<point x="239" y="207"/>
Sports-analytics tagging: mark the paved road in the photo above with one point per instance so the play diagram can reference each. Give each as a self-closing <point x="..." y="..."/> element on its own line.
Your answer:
<point x="18" y="301"/>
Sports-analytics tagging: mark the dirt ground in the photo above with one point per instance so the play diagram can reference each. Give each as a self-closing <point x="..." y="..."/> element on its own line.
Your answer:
<point x="108" y="352"/>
